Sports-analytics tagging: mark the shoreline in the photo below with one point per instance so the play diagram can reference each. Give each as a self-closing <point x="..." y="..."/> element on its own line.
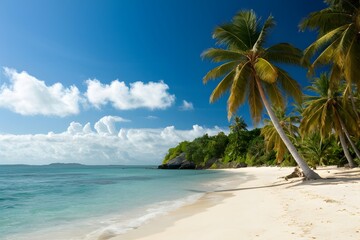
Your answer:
<point x="265" y="206"/>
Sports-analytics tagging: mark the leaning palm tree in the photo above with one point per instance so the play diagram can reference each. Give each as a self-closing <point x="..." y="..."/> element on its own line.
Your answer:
<point x="326" y="111"/>
<point x="272" y="138"/>
<point x="250" y="74"/>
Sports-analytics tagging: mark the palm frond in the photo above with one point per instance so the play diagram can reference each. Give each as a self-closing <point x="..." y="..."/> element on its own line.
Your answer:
<point x="248" y="24"/>
<point x="325" y="20"/>
<point x="335" y="76"/>
<point x="265" y="70"/>
<point x="347" y="6"/>
<point x="238" y="89"/>
<point x="220" y="71"/>
<point x="327" y="56"/>
<point x="255" y="103"/>
<point x="325" y="114"/>
<point x="222" y="55"/>
<point x="222" y="87"/>
<point x="321" y="85"/>
<point x="312" y="116"/>
<point x="348" y="35"/>
<point x="289" y="85"/>
<point x="322" y="41"/>
<point x="269" y="23"/>
<point x="275" y="95"/>
<point x="352" y="63"/>
<point x="346" y="113"/>
<point x="283" y="53"/>
<point x="230" y="36"/>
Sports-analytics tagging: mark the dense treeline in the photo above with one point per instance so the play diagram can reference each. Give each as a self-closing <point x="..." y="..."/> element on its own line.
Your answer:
<point x="256" y="147"/>
<point x="241" y="146"/>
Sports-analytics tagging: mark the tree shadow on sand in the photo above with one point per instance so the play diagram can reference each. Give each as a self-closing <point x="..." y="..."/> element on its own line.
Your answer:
<point x="352" y="176"/>
<point x="258" y="187"/>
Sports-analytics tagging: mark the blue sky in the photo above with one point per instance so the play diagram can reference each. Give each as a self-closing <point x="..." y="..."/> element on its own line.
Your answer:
<point x="66" y="62"/>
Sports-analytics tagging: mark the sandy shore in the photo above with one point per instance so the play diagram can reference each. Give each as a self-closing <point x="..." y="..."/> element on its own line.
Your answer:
<point x="267" y="207"/>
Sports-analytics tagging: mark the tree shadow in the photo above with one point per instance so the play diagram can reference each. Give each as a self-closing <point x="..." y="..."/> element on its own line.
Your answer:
<point x="299" y="182"/>
<point x="356" y="171"/>
<point x="258" y="187"/>
<point x="329" y="181"/>
<point x="351" y="176"/>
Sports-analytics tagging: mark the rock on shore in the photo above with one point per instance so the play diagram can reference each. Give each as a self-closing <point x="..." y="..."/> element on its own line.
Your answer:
<point x="180" y="162"/>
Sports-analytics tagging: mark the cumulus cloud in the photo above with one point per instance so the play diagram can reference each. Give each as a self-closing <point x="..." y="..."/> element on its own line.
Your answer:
<point x="82" y="144"/>
<point x="106" y="125"/>
<point x="186" y="106"/>
<point x="152" y="95"/>
<point x="27" y="95"/>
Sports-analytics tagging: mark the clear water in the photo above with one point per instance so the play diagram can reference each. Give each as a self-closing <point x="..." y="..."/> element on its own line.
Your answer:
<point x="88" y="202"/>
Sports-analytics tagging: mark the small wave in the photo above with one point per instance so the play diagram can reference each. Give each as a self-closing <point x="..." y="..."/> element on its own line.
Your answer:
<point x="153" y="211"/>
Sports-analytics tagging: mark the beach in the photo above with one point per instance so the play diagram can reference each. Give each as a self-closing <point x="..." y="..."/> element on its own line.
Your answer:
<point x="266" y="206"/>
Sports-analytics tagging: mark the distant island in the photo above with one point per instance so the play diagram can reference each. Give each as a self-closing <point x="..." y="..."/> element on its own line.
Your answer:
<point x="66" y="164"/>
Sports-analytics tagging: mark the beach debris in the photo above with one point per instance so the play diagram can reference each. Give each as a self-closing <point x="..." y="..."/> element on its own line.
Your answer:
<point x="295" y="174"/>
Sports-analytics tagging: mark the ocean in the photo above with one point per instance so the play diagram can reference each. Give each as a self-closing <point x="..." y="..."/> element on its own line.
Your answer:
<point x="88" y="202"/>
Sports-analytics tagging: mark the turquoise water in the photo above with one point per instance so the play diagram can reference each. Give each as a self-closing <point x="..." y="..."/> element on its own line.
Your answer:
<point x="86" y="202"/>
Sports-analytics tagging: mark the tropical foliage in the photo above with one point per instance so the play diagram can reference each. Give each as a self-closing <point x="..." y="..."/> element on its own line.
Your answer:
<point x="339" y="39"/>
<point x="326" y="128"/>
<point x="272" y="139"/>
<point x="321" y="151"/>
<point x="250" y="72"/>
<point x="240" y="146"/>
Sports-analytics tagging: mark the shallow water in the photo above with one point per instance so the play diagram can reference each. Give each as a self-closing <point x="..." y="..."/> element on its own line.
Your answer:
<point x="86" y="202"/>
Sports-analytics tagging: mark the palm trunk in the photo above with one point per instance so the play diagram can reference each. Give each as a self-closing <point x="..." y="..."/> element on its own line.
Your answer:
<point x="353" y="105"/>
<point x="346" y="150"/>
<point x="309" y="174"/>
<point x="349" y="139"/>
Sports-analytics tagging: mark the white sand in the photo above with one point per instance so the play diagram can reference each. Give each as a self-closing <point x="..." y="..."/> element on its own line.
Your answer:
<point x="267" y="207"/>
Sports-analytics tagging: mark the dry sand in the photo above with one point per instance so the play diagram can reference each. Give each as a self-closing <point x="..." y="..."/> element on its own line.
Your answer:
<point x="267" y="207"/>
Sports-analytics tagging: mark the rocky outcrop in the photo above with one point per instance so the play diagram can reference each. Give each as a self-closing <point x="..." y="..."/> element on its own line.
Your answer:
<point x="178" y="162"/>
<point x="219" y="164"/>
<point x="187" y="165"/>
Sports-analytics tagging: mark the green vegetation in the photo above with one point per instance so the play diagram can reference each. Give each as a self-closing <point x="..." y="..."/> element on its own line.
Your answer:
<point x="252" y="73"/>
<point x="241" y="146"/>
<point x="323" y="128"/>
<point x="221" y="150"/>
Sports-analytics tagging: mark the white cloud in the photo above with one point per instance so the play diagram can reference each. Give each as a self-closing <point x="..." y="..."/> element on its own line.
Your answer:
<point x="84" y="145"/>
<point x="106" y="125"/>
<point x="152" y="95"/>
<point x="151" y="117"/>
<point x="187" y="106"/>
<point x="27" y="95"/>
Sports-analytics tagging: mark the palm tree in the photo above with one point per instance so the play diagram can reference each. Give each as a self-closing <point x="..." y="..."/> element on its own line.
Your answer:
<point x="238" y="125"/>
<point x="319" y="151"/>
<point x="326" y="112"/>
<point x="271" y="136"/>
<point x="339" y="39"/>
<point x="249" y="72"/>
<point x="338" y="42"/>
